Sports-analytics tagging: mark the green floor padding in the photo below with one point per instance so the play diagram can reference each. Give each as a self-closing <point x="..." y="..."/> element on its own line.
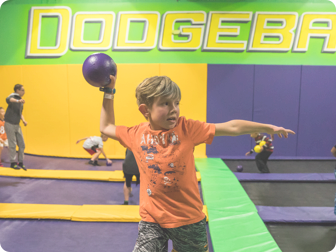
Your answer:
<point x="234" y="222"/>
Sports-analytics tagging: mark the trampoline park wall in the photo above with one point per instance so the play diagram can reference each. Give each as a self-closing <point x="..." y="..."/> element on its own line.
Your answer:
<point x="271" y="62"/>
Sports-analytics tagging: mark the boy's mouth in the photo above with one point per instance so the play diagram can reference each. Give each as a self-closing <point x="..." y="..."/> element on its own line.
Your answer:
<point x="171" y="119"/>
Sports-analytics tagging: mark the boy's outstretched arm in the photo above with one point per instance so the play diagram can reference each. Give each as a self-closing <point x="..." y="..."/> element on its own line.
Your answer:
<point x="107" y="122"/>
<point x="242" y="127"/>
<point x="81" y="139"/>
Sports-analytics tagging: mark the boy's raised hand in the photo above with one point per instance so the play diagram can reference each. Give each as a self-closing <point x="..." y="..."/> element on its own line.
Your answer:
<point x="113" y="79"/>
<point x="275" y="130"/>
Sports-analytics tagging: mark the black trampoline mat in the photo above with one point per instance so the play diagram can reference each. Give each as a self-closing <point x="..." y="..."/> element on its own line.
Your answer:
<point x="285" y="166"/>
<point x="303" y="238"/>
<point x="291" y="194"/>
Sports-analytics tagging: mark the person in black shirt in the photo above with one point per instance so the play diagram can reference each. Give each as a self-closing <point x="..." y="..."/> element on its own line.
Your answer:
<point x="12" y="126"/>
<point x="130" y="168"/>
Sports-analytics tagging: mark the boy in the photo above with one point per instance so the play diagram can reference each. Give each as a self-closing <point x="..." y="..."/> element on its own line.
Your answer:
<point x="3" y="136"/>
<point x="170" y="203"/>
<point x="265" y="152"/>
<point x="130" y="168"/>
<point x="94" y="146"/>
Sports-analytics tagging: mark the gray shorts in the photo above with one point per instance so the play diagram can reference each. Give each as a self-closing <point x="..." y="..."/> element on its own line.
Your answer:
<point x="188" y="238"/>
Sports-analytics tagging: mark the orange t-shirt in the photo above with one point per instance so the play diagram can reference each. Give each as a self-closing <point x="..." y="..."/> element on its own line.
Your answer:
<point x="3" y="134"/>
<point x="169" y="193"/>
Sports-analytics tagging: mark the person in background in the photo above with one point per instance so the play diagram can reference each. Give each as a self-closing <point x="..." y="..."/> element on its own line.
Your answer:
<point x="3" y="135"/>
<point x="130" y="168"/>
<point x="94" y="146"/>
<point x="265" y="151"/>
<point x="12" y="126"/>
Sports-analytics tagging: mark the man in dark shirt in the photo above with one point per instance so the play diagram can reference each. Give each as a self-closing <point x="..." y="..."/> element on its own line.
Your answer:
<point x="12" y="125"/>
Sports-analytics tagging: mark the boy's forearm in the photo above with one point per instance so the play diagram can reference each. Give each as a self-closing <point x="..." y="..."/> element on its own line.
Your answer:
<point x="103" y="152"/>
<point x="240" y="127"/>
<point x="107" y="121"/>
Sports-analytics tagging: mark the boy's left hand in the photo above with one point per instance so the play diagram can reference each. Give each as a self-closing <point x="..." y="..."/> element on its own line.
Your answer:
<point x="25" y="123"/>
<point x="109" y="161"/>
<point x="279" y="131"/>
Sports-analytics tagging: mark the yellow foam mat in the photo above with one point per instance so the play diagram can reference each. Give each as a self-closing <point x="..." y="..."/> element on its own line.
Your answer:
<point x="37" y="211"/>
<point x="85" y="213"/>
<point x="116" y="176"/>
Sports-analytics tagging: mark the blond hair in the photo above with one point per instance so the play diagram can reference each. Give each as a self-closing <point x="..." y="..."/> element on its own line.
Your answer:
<point x="157" y="86"/>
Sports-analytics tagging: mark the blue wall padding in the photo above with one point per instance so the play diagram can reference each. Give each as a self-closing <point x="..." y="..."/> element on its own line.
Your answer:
<point x="300" y="98"/>
<point x="230" y="96"/>
<point x="276" y="101"/>
<point x="317" y="134"/>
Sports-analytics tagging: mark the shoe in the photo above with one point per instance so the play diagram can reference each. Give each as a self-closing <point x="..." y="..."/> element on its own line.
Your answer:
<point x="125" y="203"/>
<point x="96" y="163"/>
<point x="91" y="162"/>
<point x="21" y="165"/>
<point x="14" y="166"/>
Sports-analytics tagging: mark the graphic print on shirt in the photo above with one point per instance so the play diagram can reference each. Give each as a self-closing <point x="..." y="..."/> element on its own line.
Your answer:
<point x="2" y="130"/>
<point x="164" y="164"/>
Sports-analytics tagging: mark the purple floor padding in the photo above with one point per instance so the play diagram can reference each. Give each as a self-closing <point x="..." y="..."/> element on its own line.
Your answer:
<point x="58" y="163"/>
<point x="282" y="177"/>
<point x="68" y="236"/>
<point x="67" y="192"/>
<point x="322" y="215"/>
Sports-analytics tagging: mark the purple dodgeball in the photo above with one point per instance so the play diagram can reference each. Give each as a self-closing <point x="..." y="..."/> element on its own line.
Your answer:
<point x="97" y="69"/>
<point x="239" y="168"/>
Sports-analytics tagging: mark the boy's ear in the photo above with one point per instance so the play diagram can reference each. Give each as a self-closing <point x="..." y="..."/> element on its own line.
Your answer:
<point x="144" y="110"/>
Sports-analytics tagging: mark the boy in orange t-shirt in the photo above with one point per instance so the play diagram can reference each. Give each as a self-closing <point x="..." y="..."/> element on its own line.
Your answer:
<point x="3" y="136"/>
<point x="170" y="203"/>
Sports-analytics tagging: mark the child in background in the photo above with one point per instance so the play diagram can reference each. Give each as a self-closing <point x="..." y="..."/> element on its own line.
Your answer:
<point x="265" y="151"/>
<point x="3" y="136"/>
<point x="130" y="168"/>
<point x="94" y="146"/>
<point x="170" y="203"/>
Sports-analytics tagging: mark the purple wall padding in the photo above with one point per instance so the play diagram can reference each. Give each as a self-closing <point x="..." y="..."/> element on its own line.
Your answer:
<point x="317" y="133"/>
<point x="292" y="177"/>
<point x="322" y="215"/>
<point x="230" y="96"/>
<point x="276" y="101"/>
<point x="300" y="98"/>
